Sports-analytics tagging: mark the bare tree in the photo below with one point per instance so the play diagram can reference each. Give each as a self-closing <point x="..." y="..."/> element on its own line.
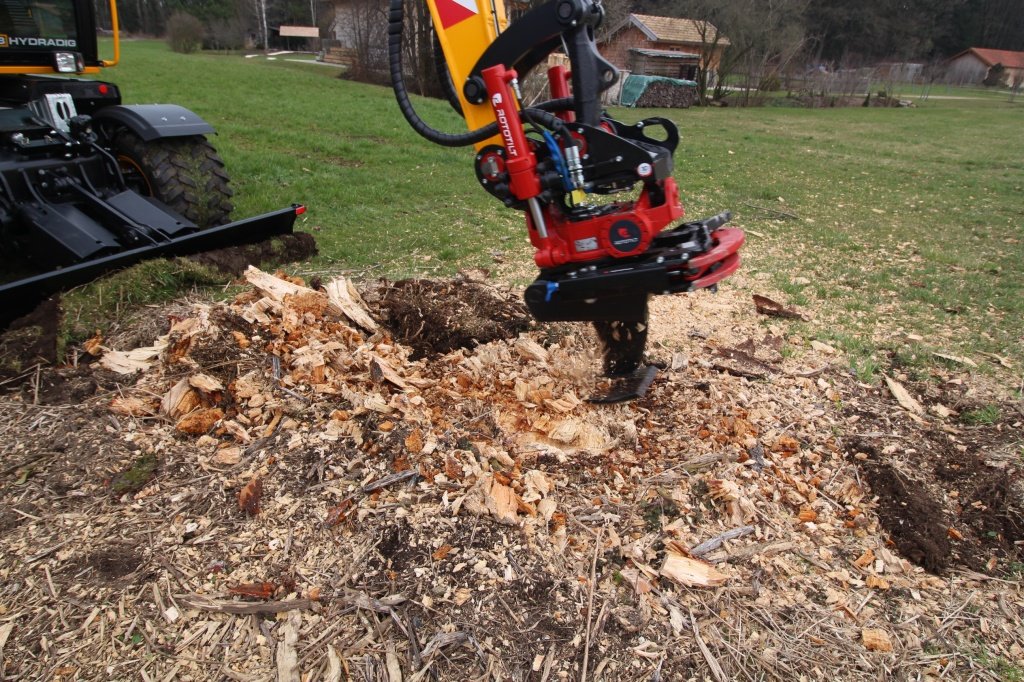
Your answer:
<point x="260" y="6"/>
<point x="361" y="26"/>
<point x="759" y="37"/>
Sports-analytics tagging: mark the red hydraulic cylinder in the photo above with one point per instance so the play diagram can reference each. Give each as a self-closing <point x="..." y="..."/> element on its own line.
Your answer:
<point x="558" y="83"/>
<point x="519" y="159"/>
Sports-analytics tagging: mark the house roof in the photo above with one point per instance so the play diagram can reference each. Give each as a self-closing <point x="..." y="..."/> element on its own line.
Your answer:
<point x="672" y="30"/>
<point x="1008" y="58"/>
<point x="670" y="54"/>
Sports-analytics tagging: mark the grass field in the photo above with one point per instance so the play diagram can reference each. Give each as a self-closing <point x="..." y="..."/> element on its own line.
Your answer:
<point x="883" y="222"/>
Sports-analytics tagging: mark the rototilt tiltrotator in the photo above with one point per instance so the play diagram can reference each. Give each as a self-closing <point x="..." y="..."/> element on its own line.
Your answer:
<point x="599" y="262"/>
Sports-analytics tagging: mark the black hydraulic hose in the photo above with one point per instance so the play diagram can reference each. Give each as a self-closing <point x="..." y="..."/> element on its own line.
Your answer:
<point x="395" y="21"/>
<point x="548" y="120"/>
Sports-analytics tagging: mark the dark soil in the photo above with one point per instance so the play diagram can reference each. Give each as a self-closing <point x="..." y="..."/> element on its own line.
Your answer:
<point x="30" y="340"/>
<point x="914" y="519"/>
<point x="114" y="562"/>
<point x="437" y="317"/>
<point x="289" y="248"/>
<point x="946" y="499"/>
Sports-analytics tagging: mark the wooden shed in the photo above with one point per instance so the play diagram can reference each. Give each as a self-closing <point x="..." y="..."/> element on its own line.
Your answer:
<point x="664" y="46"/>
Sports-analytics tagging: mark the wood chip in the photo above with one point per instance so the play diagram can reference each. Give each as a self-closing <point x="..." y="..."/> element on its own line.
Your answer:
<point x="766" y="306"/>
<point x="199" y="422"/>
<point x="179" y="400"/>
<point x="502" y="502"/>
<point x="132" y="406"/>
<point x="903" y="397"/>
<point x="345" y="300"/>
<point x="688" y="571"/>
<point x="262" y="590"/>
<point x="529" y="349"/>
<point x="823" y="347"/>
<point x="272" y="287"/>
<point x="133" y="361"/>
<point x="287" y="655"/>
<point x="381" y="370"/>
<point x="249" y="497"/>
<point x="958" y="359"/>
<point x="876" y="639"/>
<point x="205" y="383"/>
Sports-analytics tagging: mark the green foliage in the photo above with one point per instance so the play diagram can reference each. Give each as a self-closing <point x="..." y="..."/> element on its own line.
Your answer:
<point x="184" y="33"/>
<point x="135" y="478"/>
<point x="983" y="416"/>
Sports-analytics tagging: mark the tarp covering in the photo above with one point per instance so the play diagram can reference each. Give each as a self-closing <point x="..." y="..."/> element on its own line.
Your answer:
<point x="635" y="86"/>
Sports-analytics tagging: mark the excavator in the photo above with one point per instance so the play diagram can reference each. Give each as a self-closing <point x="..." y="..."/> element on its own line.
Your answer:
<point x="88" y="184"/>
<point x="562" y="162"/>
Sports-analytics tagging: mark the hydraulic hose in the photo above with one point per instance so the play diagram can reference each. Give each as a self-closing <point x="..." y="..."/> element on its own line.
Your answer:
<point x="539" y="112"/>
<point x="395" y="22"/>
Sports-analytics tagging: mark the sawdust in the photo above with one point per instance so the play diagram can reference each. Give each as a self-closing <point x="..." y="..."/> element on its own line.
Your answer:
<point x="470" y="516"/>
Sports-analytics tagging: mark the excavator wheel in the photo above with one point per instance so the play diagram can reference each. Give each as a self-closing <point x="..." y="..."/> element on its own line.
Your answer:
<point x="183" y="172"/>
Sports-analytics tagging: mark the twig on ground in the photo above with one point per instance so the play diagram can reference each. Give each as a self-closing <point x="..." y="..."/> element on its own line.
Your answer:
<point x="590" y="602"/>
<point x="716" y="542"/>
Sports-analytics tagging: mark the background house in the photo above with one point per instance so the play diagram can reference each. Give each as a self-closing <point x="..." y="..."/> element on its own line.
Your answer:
<point x="664" y="46"/>
<point x="972" y="66"/>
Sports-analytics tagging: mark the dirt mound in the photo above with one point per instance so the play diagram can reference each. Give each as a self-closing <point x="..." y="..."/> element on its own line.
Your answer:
<point x="30" y="340"/>
<point x="436" y="317"/>
<point x="948" y="496"/>
<point x="289" y="248"/>
<point x="913" y="518"/>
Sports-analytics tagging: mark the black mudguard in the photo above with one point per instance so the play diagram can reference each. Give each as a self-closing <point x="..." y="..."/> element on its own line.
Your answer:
<point x="155" y="121"/>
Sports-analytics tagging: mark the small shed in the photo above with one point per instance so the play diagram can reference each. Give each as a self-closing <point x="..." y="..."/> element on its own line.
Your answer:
<point x="668" y="63"/>
<point x="972" y="66"/>
<point x="664" y="46"/>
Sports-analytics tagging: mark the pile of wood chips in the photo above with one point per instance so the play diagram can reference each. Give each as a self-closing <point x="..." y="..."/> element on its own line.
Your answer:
<point x="309" y="504"/>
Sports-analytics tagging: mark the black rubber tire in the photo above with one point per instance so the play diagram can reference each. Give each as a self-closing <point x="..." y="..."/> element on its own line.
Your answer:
<point x="183" y="172"/>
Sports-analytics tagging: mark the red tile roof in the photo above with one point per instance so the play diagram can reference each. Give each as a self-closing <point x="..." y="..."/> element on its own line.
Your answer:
<point x="1008" y="58"/>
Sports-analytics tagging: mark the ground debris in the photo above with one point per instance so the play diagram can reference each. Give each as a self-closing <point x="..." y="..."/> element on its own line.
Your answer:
<point x="327" y="502"/>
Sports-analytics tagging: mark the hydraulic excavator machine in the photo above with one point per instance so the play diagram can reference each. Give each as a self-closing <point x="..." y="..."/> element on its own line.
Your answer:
<point x="88" y="184"/>
<point x="560" y="160"/>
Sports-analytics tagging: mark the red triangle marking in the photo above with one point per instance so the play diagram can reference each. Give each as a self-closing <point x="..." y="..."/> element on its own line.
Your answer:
<point x="452" y="12"/>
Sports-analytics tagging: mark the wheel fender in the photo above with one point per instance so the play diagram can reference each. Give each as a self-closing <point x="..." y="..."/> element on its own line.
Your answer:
<point x="155" y="121"/>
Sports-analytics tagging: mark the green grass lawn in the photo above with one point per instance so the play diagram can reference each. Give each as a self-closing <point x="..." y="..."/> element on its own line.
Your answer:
<point x="902" y="220"/>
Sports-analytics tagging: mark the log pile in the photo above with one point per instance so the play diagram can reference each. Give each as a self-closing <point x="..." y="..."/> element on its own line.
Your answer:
<point x="668" y="95"/>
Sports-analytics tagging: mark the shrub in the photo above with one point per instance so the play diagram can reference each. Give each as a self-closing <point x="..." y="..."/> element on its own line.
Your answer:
<point x="184" y="32"/>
